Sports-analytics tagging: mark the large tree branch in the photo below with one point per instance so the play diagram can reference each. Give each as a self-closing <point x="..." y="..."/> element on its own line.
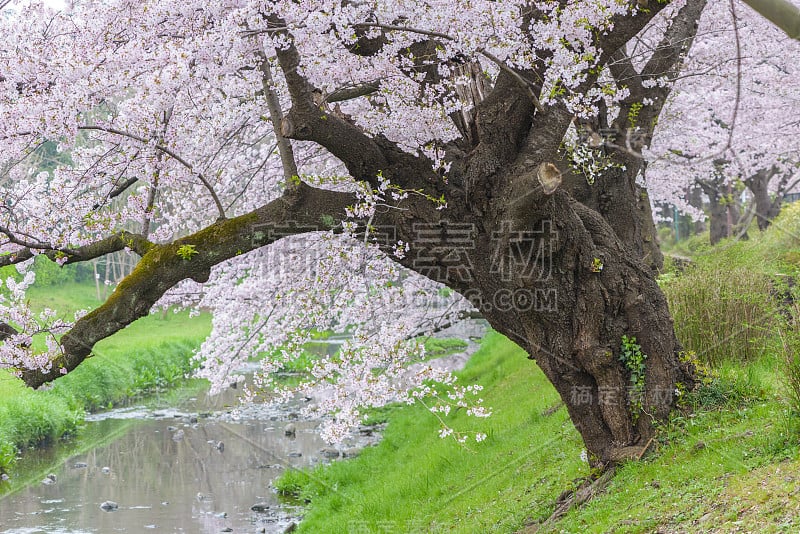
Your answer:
<point x="781" y="13"/>
<point x="300" y="210"/>
<point x="306" y="121"/>
<point x="635" y="130"/>
<point x="163" y="266"/>
<point x="668" y="56"/>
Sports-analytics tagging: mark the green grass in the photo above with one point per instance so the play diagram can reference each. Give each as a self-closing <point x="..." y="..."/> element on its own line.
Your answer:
<point x="440" y="347"/>
<point x="150" y="355"/>
<point x="414" y="480"/>
<point x="724" y="304"/>
<point x="775" y="250"/>
<point x="68" y="297"/>
<point x="722" y="313"/>
<point x="739" y="434"/>
<point x="684" y="481"/>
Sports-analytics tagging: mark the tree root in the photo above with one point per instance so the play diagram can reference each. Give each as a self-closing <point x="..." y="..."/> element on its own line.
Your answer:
<point x="586" y="491"/>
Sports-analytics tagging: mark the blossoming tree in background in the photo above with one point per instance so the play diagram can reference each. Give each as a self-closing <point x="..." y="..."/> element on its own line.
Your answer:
<point x="731" y="119"/>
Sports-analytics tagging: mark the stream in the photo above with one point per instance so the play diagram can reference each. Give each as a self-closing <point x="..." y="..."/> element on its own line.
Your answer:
<point x="190" y="467"/>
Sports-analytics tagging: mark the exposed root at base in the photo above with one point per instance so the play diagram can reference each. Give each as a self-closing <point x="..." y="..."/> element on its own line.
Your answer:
<point x="570" y="499"/>
<point x="591" y="486"/>
<point x="588" y="489"/>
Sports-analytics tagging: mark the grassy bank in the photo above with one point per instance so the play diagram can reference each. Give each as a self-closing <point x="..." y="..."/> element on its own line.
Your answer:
<point x="415" y="481"/>
<point x="737" y="448"/>
<point x="151" y="354"/>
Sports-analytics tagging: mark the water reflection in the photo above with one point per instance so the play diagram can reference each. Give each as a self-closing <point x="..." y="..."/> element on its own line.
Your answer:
<point x="167" y="474"/>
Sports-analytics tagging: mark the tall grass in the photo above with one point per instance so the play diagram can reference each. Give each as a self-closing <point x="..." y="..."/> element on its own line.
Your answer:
<point x="789" y="365"/>
<point x="29" y="417"/>
<point x="726" y="304"/>
<point x="722" y="313"/>
<point x="34" y="417"/>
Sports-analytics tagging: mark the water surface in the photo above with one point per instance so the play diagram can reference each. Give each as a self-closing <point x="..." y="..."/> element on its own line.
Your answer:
<point x="166" y="470"/>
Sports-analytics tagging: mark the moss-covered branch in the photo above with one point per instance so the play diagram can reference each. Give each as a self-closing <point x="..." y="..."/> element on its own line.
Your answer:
<point x="114" y="243"/>
<point x="164" y="266"/>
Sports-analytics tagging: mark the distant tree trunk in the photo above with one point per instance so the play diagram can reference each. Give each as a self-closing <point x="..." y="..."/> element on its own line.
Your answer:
<point x="116" y="263"/>
<point x="695" y="197"/>
<point x="768" y="205"/>
<point x="718" y="215"/>
<point x="106" y="276"/>
<point x="724" y="213"/>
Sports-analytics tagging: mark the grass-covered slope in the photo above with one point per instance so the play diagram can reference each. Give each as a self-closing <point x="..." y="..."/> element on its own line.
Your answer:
<point x="733" y="460"/>
<point x="415" y="481"/>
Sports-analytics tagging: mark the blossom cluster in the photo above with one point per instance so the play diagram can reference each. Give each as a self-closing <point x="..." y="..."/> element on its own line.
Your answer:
<point x="727" y="118"/>
<point x="17" y="352"/>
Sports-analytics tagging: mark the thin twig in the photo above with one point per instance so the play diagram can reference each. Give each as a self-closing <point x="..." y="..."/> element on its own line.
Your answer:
<point x="169" y="152"/>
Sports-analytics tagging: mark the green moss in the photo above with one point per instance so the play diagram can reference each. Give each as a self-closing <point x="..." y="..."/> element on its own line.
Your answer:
<point x="226" y="231"/>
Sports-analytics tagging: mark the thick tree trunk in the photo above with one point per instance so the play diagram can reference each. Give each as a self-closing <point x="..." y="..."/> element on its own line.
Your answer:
<point x="734" y="210"/>
<point x="563" y="279"/>
<point x="568" y="293"/>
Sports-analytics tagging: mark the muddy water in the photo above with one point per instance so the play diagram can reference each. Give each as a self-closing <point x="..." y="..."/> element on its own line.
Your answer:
<point x="167" y="472"/>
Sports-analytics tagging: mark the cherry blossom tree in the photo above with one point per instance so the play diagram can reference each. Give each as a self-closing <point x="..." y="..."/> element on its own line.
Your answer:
<point x="331" y="165"/>
<point x="729" y="121"/>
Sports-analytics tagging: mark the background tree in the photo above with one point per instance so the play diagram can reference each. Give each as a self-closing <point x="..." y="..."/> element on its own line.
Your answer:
<point x="730" y="122"/>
